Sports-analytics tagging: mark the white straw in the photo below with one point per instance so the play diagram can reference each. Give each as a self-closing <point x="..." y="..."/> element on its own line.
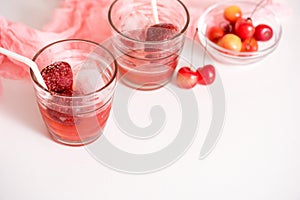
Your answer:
<point x="26" y="61"/>
<point x="154" y="11"/>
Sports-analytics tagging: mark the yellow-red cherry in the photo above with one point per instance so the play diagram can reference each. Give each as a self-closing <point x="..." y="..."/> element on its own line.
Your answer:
<point x="231" y="42"/>
<point x="232" y="13"/>
<point x="249" y="45"/>
<point x="207" y="74"/>
<point x="187" y="78"/>
<point x="215" y="33"/>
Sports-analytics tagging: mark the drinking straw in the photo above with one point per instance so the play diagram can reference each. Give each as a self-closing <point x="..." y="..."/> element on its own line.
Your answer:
<point x="154" y="11"/>
<point x="27" y="62"/>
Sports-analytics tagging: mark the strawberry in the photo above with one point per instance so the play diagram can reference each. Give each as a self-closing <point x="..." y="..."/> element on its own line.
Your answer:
<point x="162" y="31"/>
<point x="58" y="78"/>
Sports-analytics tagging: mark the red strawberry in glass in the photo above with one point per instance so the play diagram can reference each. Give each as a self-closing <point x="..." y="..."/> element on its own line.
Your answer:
<point x="75" y="108"/>
<point x="58" y="78"/>
<point x="152" y="66"/>
<point x="156" y="41"/>
<point x="160" y="32"/>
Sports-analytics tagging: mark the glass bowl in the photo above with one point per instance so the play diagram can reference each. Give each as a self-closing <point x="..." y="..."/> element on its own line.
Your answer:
<point x="213" y="16"/>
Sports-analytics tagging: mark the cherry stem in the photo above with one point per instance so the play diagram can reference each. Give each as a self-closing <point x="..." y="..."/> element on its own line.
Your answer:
<point x="205" y="50"/>
<point x="257" y="6"/>
<point x="193" y="46"/>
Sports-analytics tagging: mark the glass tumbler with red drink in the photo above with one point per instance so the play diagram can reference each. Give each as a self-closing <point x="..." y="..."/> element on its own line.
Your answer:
<point x="81" y="79"/>
<point x="147" y="40"/>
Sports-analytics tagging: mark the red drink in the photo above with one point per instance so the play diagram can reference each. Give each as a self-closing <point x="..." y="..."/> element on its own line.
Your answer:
<point x="146" y="64"/>
<point x="81" y="77"/>
<point x="147" y="50"/>
<point x="75" y="128"/>
<point x="146" y="72"/>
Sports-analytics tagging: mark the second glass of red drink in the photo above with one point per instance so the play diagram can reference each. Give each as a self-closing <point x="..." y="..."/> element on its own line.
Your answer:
<point x="147" y="40"/>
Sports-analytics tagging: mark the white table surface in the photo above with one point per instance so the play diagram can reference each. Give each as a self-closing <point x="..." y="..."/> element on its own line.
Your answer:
<point x="257" y="157"/>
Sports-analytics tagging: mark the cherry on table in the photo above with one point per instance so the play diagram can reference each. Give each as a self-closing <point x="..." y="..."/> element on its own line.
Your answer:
<point x="187" y="78"/>
<point x="206" y="74"/>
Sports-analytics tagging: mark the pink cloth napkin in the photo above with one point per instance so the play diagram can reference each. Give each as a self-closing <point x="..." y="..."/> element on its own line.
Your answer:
<point x="86" y="19"/>
<point x="73" y="19"/>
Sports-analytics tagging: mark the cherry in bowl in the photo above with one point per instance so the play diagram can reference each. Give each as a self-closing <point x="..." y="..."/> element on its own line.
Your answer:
<point x="259" y="32"/>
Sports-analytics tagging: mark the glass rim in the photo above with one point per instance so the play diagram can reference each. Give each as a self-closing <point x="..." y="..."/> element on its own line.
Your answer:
<point x="183" y="30"/>
<point x="112" y="78"/>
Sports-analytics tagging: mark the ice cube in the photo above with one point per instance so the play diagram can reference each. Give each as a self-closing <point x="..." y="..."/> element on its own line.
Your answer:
<point x="88" y="77"/>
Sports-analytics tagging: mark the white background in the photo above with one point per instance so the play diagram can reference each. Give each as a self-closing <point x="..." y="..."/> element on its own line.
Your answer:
<point x="257" y="156"/>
